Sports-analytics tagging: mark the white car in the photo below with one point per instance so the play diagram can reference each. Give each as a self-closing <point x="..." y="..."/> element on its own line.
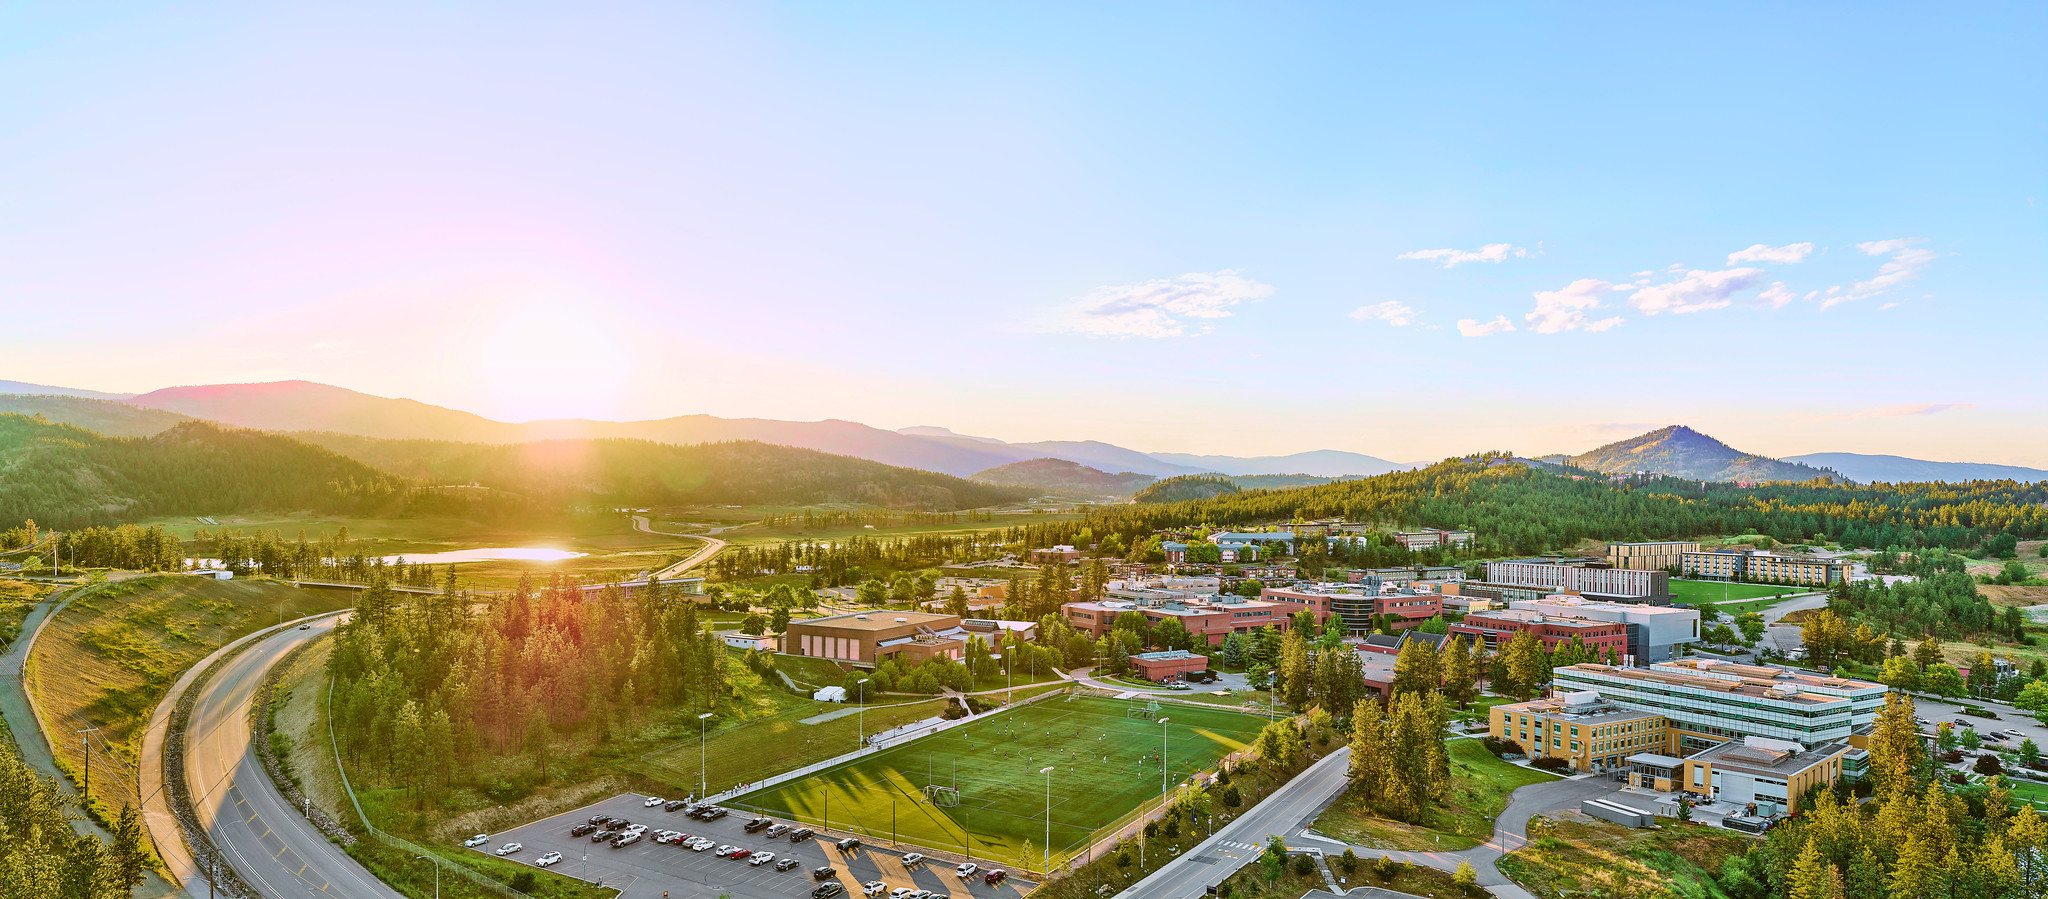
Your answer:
<point x="901" y="892"/>
<point x="651" y="801"/>
<point x="701" y="844"/>
<point x="760" y="858"/>
<point x="966" y="870"/>
<point x="636" y="828"/>
<point x="547" y="860"/>
<point x="726" y="850"/>
<point x="478" y="840"/>
<point x="510" y="848"/>
<point x="2014" y="732"/>
<point x="914" y="858"/>
<point x="873" y="888"/>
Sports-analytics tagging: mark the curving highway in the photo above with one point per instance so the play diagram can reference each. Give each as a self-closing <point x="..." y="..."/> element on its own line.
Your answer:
<point x="711" y="547"/>
<point x="269" y="843"/>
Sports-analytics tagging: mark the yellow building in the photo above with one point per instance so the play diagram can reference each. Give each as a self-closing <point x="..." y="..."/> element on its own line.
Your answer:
<point x="1581" y="728"/>
<point x="1649" y="556"/>
<point x="1765" y="776"/>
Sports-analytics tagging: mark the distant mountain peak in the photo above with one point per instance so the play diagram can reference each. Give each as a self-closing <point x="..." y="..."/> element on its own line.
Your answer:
<point x="1680" y="451"/>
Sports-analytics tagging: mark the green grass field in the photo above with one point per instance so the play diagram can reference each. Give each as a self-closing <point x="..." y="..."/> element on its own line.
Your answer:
<point x="1734" y="595"/>
<point x="1107" y="764"/>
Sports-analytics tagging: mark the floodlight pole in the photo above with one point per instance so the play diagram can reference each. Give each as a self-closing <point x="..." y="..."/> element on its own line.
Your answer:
<point x="1162" y="758"/>
<point x="702" y="783"/>
<point x="1047" y="771"/>
<point x="860" y="714"/>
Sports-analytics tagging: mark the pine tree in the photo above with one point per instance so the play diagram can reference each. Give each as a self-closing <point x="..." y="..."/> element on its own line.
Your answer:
<point x="1294" y="670"/>
<point x="1524" y="666"/>
<point x="1459" y="683"/>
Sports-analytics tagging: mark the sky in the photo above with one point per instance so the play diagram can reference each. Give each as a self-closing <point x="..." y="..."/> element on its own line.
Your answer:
<point x="1246" y="229"/>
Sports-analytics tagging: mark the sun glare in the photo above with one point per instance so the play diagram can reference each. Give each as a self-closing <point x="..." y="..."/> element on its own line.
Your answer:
<point x="555" y="360"/>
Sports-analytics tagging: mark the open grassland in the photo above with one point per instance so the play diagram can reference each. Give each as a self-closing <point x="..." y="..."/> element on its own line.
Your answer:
<point x="16" y="599"/>
<point x="2014" y="596"/>
<point x="108" y="658"/>
<point x="967" y="524"/>
<point x="1106" y="764"/>
<point x="1594" y="858"/>
<point x="1480" y="784"/>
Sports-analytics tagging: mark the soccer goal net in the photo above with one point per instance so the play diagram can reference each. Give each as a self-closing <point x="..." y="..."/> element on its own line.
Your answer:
<point x="944" y="797"/>
<point x="1148" y="710"/>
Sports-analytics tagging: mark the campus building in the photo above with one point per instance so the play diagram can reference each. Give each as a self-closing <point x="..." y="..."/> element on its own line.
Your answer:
<point x="1582" y="728"/>
<point x="1433" y="538"/>
<point x="1210" y="618"/>
<point x="1655" y="633"/>
<point x="1174" y="664"/>
<point x="1356" y="606"/>
<point x="1707" y="702"/>
<point x="866" y="638"/>
<point x="1578" y="576"/>
<point x="1496" y="627"/>
<point x="1763" y="775"/>
<point x="1658" y="556"/>
<point x="1761" y="567"/>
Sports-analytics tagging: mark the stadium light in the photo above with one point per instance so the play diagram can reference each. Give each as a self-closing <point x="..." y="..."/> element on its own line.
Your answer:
<point x="1047" y="771"/>
<point x="1162" y="757"/>
<point x="860" y="722"/>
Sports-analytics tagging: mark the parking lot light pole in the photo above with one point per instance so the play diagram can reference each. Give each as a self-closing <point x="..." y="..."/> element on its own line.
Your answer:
<point x="1047" y="871"/>
<point x="701" y="731"/>
<point x="437" y="873"/>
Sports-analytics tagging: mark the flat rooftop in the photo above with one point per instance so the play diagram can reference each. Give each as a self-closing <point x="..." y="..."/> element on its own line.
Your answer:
<point x="1775" y="691"/>
<point x="1599" y="713"/>
<point x="1771" y="758"/>
<point x="875" y="621"/>
<point x="1715" y="668"/>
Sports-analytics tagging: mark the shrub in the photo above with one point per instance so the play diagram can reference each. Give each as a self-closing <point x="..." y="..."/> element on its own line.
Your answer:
<point x="1348" y="862"/>
<point x="1304" y="866"/>
<point x="522" y="881"/>
<point x="1987" y="764"/>
<point x="1500" y="747"/>
<point x="1385" y="869"/>
<point x="1230" y="797"/>
<point x="1551" y="763"/>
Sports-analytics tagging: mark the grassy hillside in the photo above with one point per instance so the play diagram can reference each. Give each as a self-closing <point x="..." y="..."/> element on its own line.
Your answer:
<point x="643" y="472"/>
<point x="108" y="658"/>
<point x="1062" y="476"/>
<point x="109" y="417"/>
<point x="65" y="476"/>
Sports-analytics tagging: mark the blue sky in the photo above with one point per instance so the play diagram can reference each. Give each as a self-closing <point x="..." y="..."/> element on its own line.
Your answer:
<point x="1207" y="228"/>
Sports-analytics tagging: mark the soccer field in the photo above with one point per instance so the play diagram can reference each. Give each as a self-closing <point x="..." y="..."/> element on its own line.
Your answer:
<point x="1106" y="762"/>
<point x="1689" y="592"/>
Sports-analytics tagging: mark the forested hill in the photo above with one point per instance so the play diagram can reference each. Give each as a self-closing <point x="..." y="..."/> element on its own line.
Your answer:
<point x="65" y="476"/>
<point x="1061" y="476"/>
<point x="1682" y="452"/>
<point x="108" y="417"/>
<point x="1186" y="487"/>
<point x="1517" y="509"/>
<point x="643" y="472"/>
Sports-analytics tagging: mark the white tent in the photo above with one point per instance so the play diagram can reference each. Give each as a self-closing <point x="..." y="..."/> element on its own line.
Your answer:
<point x="830" y="694"/>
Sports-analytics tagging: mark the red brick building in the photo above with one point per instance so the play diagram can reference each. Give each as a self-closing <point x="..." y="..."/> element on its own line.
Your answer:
<point x="1210" y="619"/>
<point x="1175" y="664"/>
<point x="1498" y="626"/>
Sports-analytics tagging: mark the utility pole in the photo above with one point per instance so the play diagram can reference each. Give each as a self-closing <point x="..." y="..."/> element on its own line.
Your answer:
<point x="1162" y="758"/>
<point x="1046" y="872"/>
<point x="860" y="721"/>
<point x="85" y="745"/>
<point x="701" y="785"/>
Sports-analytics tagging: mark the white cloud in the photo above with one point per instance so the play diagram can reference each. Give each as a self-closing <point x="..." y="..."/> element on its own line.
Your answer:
<point x="1905" y="265"/>
<point x="1788" y="253"/>
<point x="1471" y="328"/>
<point x="1777" y="295"/>
<point x="1565" y="309"/>
<point x="1493" y="252"/>
<point x="1397" y="314"/>
<point x="1697" y="291"/>
<point x="1160" y="308"/>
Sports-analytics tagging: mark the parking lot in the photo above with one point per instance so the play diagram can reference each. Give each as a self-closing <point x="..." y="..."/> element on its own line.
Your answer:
<point x="646" y="869"/>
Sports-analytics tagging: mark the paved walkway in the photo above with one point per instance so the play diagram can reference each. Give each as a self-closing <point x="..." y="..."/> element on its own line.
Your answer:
<point x="1510" y="832"/>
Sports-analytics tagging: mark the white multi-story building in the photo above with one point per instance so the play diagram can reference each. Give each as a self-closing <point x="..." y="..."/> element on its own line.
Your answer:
<point x="1652" y="586"/>
<point x="1709" y="702"/>
<point x="1655" y="633"/>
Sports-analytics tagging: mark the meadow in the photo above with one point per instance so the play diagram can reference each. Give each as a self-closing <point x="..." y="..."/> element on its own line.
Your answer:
<point x="1106" y="764"/>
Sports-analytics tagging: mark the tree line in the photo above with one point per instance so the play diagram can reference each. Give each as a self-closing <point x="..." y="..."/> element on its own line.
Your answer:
<point x="42" y="857"/>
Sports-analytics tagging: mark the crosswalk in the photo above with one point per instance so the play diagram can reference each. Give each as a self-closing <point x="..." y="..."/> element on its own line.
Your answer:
<point x="1233" y="844"/>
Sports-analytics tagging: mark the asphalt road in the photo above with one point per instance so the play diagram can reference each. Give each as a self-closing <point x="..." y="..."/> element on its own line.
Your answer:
<point x="1285" y="812"/>
<point x="649" y="870"/>
<point x="711" y="547"/>
<point x="268" y="842"/>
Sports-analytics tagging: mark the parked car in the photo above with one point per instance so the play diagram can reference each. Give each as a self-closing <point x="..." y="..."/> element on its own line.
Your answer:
<point x="776" y="831"/>
<point x="547" y="860"/>
<point x="603" y="835"/>
<point x="873" y="888"/>
<point x="651" y="801"/>
<point x="635" y="828"/>
<point x="726" y="849"/>
<point x="920" y="894"/>
<point x="625" y="839"/>
<point x="823" y="871"/>
<point x="475" y="841"/>
<point x="701" y="844"/>
<point x="786" y="864"/>
<point x="827" y="890"/>
<point x="913" y="858"/>
<point x="761" y="858"/>
<point x="715" y="813"/>
<point x="510" y="848"/>
<point x="900" y="892"/>
<point x="966" y="869"/>
<point x="740" y="852"/>
<point x="617" y="823"/>
<point x="800" y="834"/>
<point x="2013" y="733"/>
<point x="848" y="845"/>
<point x="582" y="830"/>
<point x="996" y="876"/>
<point x="674" y="804"/>
<point x="759" y="824"/>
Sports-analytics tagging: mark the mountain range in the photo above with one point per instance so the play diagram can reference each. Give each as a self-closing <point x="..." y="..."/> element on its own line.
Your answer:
<point x="302" y="406"/>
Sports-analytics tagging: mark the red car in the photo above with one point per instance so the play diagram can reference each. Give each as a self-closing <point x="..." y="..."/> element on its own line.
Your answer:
<point x="740" y="853"/>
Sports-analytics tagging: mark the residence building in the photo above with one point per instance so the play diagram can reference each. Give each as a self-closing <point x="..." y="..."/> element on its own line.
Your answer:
<point x="1579" y="576"/>
<point x="1657" y="556"/>
<point x="1434" y="538"/>
<point x="1761" y="567"/>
